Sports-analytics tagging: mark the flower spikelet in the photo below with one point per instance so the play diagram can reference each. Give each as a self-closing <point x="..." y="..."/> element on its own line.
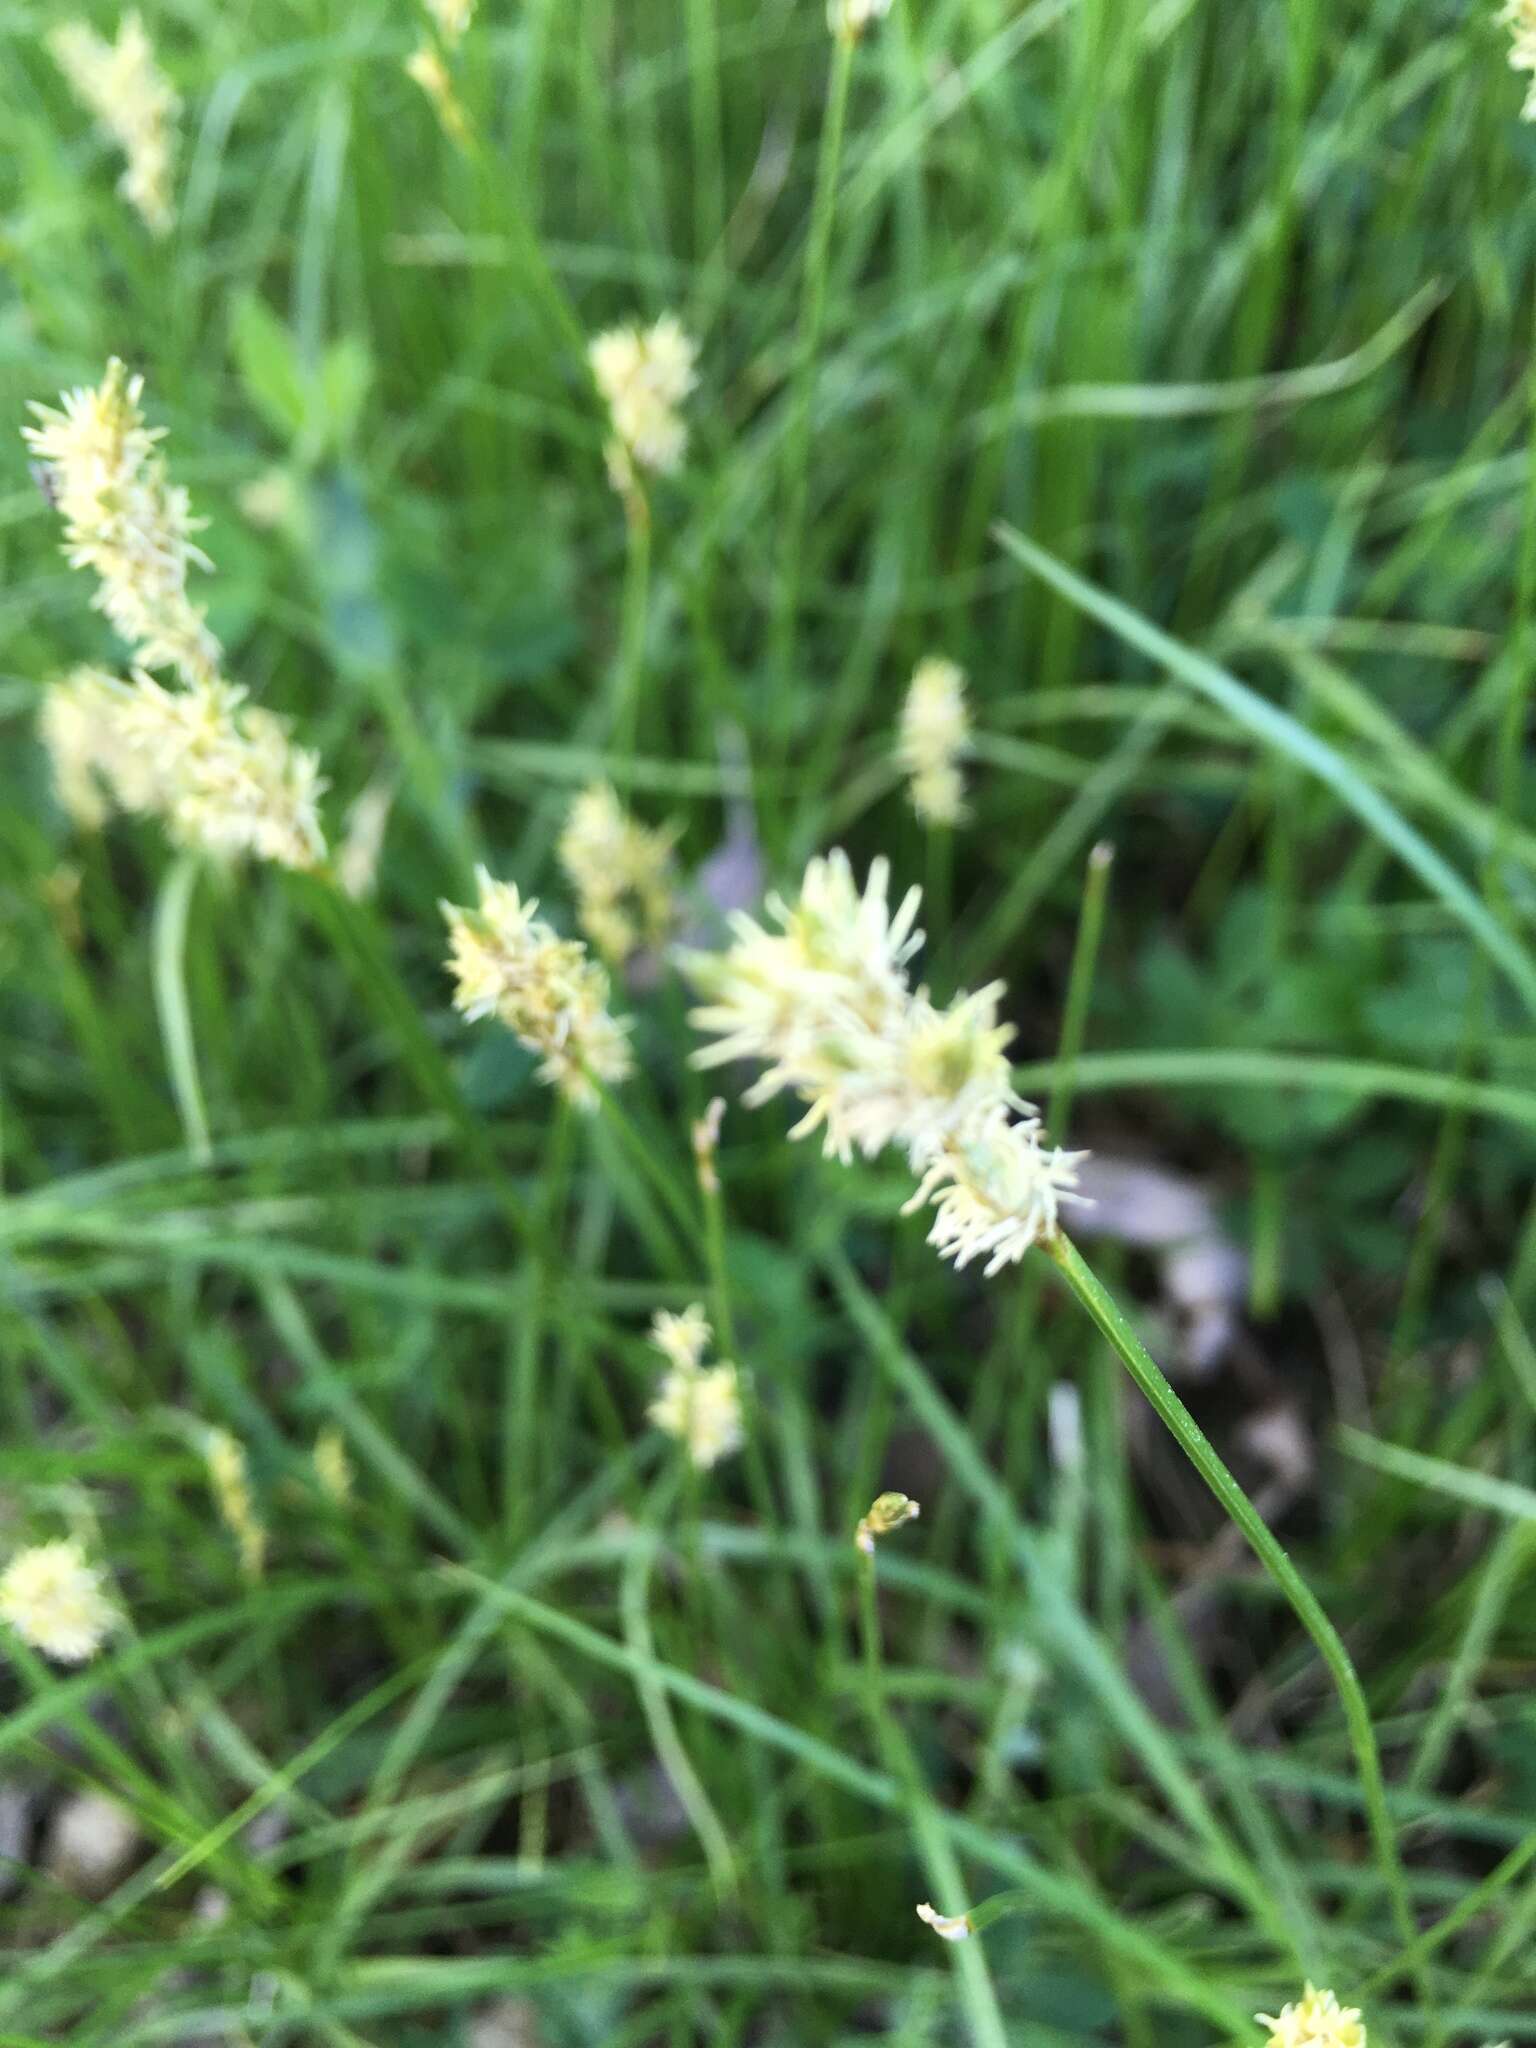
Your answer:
<point x="122" y="85"/>
<point x="703" y="1411"/>
<point x="824" y="1003"/>
<point x="699" y="1405"/>
<point x="333" y="1467"/>
<point x="228" y="778"/>
<point x="229" y="1477"/>
<point x="682" y="1339"/>
<point x="1315" y="2020"/>
<point x="357" y="859"/>
<point x="621" y="871"/>
<point x="817" y="999"/>
<point x="643" y="375"/>
<point x="56" y="1602"/>
<point x="947" y="1926"/>
<point x="848" y="19"/>
<point x="126" y="521"/>
<point x="425" y="67"/>
<point x="933" y="739"/>
<point x="452" y="18"/>
<point x="888" y="1512"/>
<point x="996" y="1190"/>
<point x="1519" y="17"/>
<point x="508" y="963"/>
<point x="96" y="765"/>
<point x="225" y="776"/>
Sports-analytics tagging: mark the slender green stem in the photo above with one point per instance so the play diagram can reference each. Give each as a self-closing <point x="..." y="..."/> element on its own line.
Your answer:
<point x="808" y="332"/>
<point x="654" y="1167"/>
<point x="521" y="1445"/>
<point x="353" y="928"/>
<point x="755" y="1461"/>
<point x="1085" y="958"/>
<point x="666" y="1737"/>
<point x="1465" y="1911"/>
<point x="704" y="115"/>
<point x="170" y="977"/>
<point x="1105" y="1313"/>
<point x="630" y="670"/>
<point x="941" y="1866"/>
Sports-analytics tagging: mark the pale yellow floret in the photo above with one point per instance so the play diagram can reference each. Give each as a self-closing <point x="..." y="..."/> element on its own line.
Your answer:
<point x="452" y="17"/>
<point x="811" y="999"/>
<point x="888" y="1512"/>
<point x="507" y="963"/>
<point x="333" y="1467"/>
<point x="848" y="19"/>
<point x="1315" y="2020"/>
<point x="705" y="1133"/>
<point x="134" y="103"/>
<point x="947" y="1926"/>
<point x="702" y="1409"/>
<point x="825" y="1005"/>
<point x="230" y="1480"/>
<point x="56" y="1602"/>
<point x="682" y="1339"/>
<point x="224" y="775"/>
<point x="126" y="521"/>
<point x="996" y="1189"/>
<point x="933" y="739"/>
<point x="643" y="375"/>
<point x="96" y="767"/>
<point x="621" y="871"/>
<point x="1519" y="17"/>
<point x="229" y="779"/>
<point x="362" y="843"/>
<point x="425" y="67"/>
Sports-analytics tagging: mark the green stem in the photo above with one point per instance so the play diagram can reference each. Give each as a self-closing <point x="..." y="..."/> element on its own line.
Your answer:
<point x="1085" y="958"/>
<point x="637" y="597"/>
<point x="756" y="1463"/>
<point x="941" y="1865"/>
<point x="170" y="977"/>
<point x="1105" y="1313"/>
<point x="808" y="331"/>
<point x="704" y="115"/>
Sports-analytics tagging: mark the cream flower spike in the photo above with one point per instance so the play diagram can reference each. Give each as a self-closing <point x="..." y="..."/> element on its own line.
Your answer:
<point x="816" y="999"/>
<point x="699" y="1405"/>
<point x="425" y="67"/>
<point x="621" y="871"/>
<point x="848" y="19"/>
<point x="888" y="1512"/>
<point x="682" y="1340"/>
<point x="126" y="521"/>
<point x="933" y="738"/>
<point x="947" y="1926"/>
<point x="824" y="1003"/>
<point x="56" y="1601"/>
<point x="1519" y="17"/>
<point x="122" y="85"/>
<point x="702" y="1409"/>
<point x="996" y="1191"/>
<point x="643" y="375"/>
<point x="1315" y="2020"/>
<point x="229" y="1480"/>
<point x="453" y="18"/>
<point x="96" y="765"/>
<point x="508" y="963"/>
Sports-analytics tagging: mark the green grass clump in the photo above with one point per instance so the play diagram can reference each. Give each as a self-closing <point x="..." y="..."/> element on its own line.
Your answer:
<point x="1169" y="368"/>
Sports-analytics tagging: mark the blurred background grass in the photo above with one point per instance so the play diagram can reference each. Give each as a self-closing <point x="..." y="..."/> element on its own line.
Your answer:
<point x="1227" y="310"/>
